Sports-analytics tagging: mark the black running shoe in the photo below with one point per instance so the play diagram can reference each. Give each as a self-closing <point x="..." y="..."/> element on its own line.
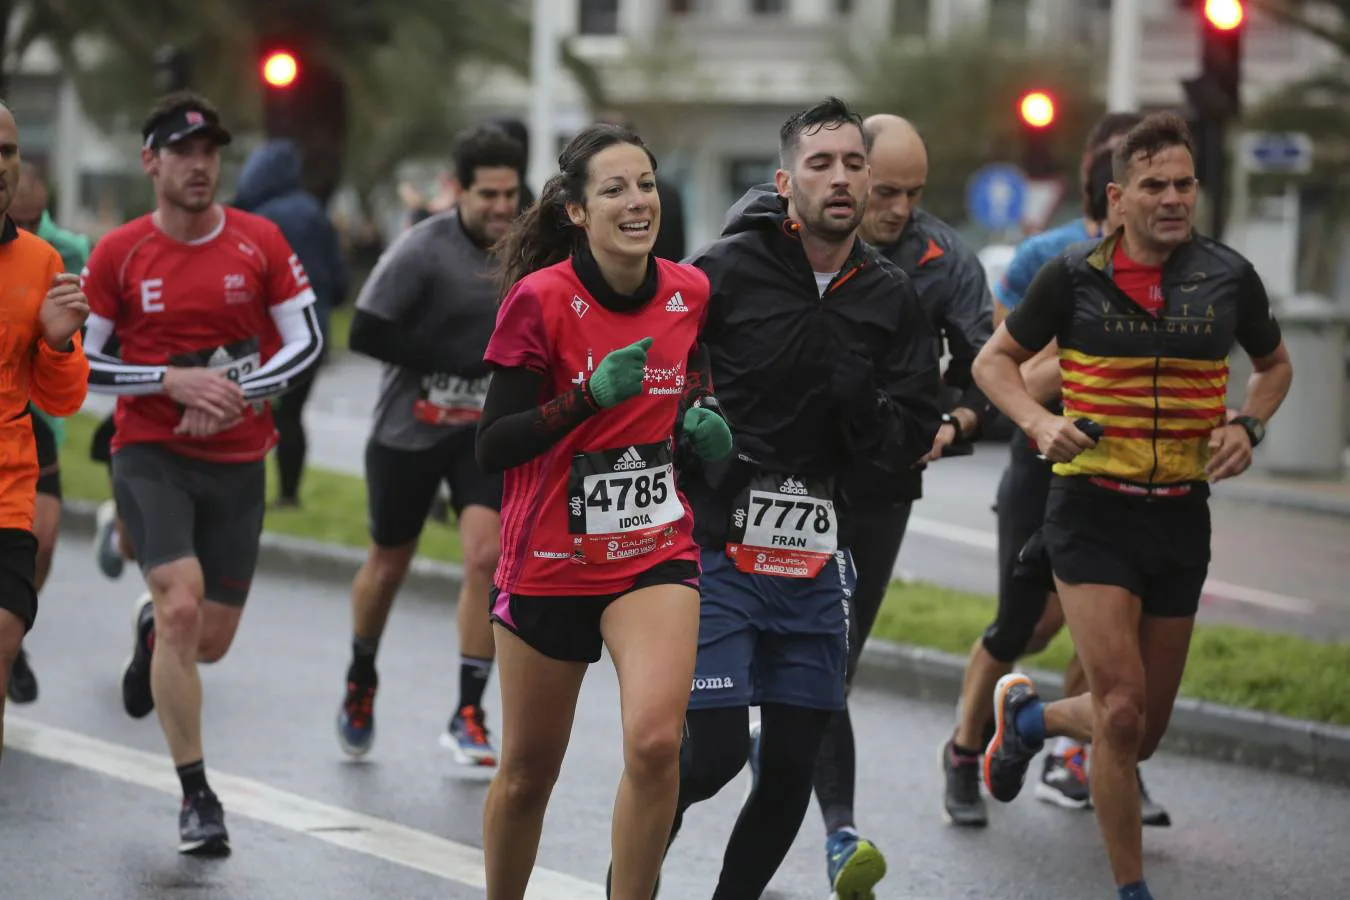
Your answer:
<point x="961" y="801"/>
<point x="1151" y="811"/>
<point x="137" y="698"/>
<point x="201" y="826"/>
<point x="1007" y="757"/>
<point x="23" y="686"/>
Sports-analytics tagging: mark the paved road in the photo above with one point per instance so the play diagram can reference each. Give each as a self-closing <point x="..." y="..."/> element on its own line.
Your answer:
<point x="87" y="805"/>
<point x="1273" y="568"/>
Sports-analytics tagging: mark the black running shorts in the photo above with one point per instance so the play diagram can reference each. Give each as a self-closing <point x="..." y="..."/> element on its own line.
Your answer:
<point x="401" y="485"/>
<point x="1157" y="549"/>
<point x="18" y="567"/>
<point x="568" y="628"/>
<point x="177" y="507"/>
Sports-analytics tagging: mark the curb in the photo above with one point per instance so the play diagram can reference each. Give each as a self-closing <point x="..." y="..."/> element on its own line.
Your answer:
<point x="1283" y="498"/>
<point x="281" y="554"/>
<point x="1198" y="728"/>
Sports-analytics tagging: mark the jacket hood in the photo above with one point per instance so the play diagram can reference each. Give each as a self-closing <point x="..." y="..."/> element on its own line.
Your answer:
<point x="272" y="171"/>
<point x="761" y="207"/>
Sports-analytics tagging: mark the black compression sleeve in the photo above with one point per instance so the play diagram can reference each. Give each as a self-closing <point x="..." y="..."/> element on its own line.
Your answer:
<point x="1257" y="331"/>
<point x="1046" y="309"/>
<point x="398" y="345"/>
<point x="515" y="428"/>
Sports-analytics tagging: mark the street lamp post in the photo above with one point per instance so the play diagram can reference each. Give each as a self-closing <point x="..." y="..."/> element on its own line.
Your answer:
<point x="543" y="77"/>
<point x="1122" y="89"/>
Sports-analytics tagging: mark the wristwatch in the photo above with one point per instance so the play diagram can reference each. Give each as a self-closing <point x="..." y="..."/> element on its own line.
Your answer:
<point x="1255" y="428"/>
<point x="949" y="419"/>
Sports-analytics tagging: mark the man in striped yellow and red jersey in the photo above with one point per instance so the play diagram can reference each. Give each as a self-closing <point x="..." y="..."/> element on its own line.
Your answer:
<point x="1145" y="320"/>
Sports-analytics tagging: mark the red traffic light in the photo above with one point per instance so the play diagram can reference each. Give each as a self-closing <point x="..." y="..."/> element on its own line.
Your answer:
<point x="1224" y="15"/>
<point x="280" y="69"/>
<point x="1038" y="109"/>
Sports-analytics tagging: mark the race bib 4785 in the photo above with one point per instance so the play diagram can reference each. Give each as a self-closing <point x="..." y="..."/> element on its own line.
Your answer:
<point x="622" y="502"/>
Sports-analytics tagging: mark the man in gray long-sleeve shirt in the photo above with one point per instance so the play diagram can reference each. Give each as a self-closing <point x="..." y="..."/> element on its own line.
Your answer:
<point x="427" y="312"/>
<point x="951" y="285"/>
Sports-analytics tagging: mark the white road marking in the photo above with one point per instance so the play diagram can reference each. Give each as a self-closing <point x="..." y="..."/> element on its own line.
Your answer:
<point x="1236" y="593"/>
<point x="343" y="828"/>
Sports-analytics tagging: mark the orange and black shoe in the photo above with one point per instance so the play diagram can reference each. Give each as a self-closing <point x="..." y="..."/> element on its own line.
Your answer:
<point x="466" y="736"/>
<point x="1010" y="753"/>
<point x="356" y="716"/>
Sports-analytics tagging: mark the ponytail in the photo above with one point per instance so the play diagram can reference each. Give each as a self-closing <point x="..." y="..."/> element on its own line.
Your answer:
<point x="539" y="238"/>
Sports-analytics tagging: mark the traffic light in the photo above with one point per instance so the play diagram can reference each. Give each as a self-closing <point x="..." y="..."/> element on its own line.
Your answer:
<point x="280" y="69"/>
<point x="1216" y="93"/>
<point x="1037" y="113"/>
<point x="1215" y="97"/>
<point x="173" y="69"/>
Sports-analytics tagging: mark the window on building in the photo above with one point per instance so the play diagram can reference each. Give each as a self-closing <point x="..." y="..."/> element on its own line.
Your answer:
<point x="768" y="7"/>
<point x="743" y="173"/>
<point x="598" y="17"/>
<point x="680" y="7"/>
<point x="843" y="7"/>
<point x="909" y="18"/>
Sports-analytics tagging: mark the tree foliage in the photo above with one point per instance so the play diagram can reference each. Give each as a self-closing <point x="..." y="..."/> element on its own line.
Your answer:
<point x="388" y="75"/>
<point x="963" y="97"/>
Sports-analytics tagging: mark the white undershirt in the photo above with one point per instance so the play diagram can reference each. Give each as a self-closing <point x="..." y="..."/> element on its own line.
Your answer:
<point x="823" y="280"/>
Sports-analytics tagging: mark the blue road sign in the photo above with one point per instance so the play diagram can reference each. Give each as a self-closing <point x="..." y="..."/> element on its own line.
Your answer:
<point x="1274" y="151"/>
<point x="996" y="196"/>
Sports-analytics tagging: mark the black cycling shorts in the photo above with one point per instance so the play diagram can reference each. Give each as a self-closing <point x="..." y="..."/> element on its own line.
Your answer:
<point x="401" y="485"/>
<point x="568" y="628"/>
<point x="1024" y="578"/>
<point x="18" y="574"/>
<point x="175" y="507"/>
<point x="1156" y="548"/>
<point x="48" y="458"/>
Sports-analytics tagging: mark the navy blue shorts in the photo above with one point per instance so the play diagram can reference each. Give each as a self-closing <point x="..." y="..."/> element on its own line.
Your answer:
<point x="763" y="639"/>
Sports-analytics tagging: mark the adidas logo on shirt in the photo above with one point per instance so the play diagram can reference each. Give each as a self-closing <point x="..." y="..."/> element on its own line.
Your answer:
<point x="676" y="304"/>
<point x="793" y="486"/>
<point x="629" y="461"/>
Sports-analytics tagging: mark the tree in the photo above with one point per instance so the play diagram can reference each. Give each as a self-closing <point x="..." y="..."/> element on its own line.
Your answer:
<point x="963" y="97"/>
<point x="380" y="80"/>
<point x="1319" y="106"/>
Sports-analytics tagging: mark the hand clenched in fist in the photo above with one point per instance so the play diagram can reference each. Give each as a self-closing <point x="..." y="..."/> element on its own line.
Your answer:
<point x="63" y="311"/>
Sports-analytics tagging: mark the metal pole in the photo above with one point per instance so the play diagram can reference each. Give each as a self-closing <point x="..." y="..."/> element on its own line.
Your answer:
<point x="1216" y="133"/>
<point x="1122" y="91"/>
<point x="543" y="75"/>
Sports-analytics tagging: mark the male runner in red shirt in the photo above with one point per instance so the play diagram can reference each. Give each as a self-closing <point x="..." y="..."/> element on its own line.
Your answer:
<point x="215" y="316"/>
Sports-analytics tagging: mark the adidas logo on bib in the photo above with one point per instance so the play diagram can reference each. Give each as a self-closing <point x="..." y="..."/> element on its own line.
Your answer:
<point x="793" y="486"/>
<point x="676" y="304"/>
<point x="629" y="461"/>
<point x="220" y="357"/>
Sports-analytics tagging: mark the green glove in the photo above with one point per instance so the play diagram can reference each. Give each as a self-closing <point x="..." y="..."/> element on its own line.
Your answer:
<point x="707" y="433"/>
<point x="619" y="375"/>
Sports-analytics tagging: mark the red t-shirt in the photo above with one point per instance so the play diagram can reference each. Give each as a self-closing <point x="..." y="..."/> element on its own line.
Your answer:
<point x="203" y="303"/>
<point x="600" y="507"/>
<point x="1141" y="283"/>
